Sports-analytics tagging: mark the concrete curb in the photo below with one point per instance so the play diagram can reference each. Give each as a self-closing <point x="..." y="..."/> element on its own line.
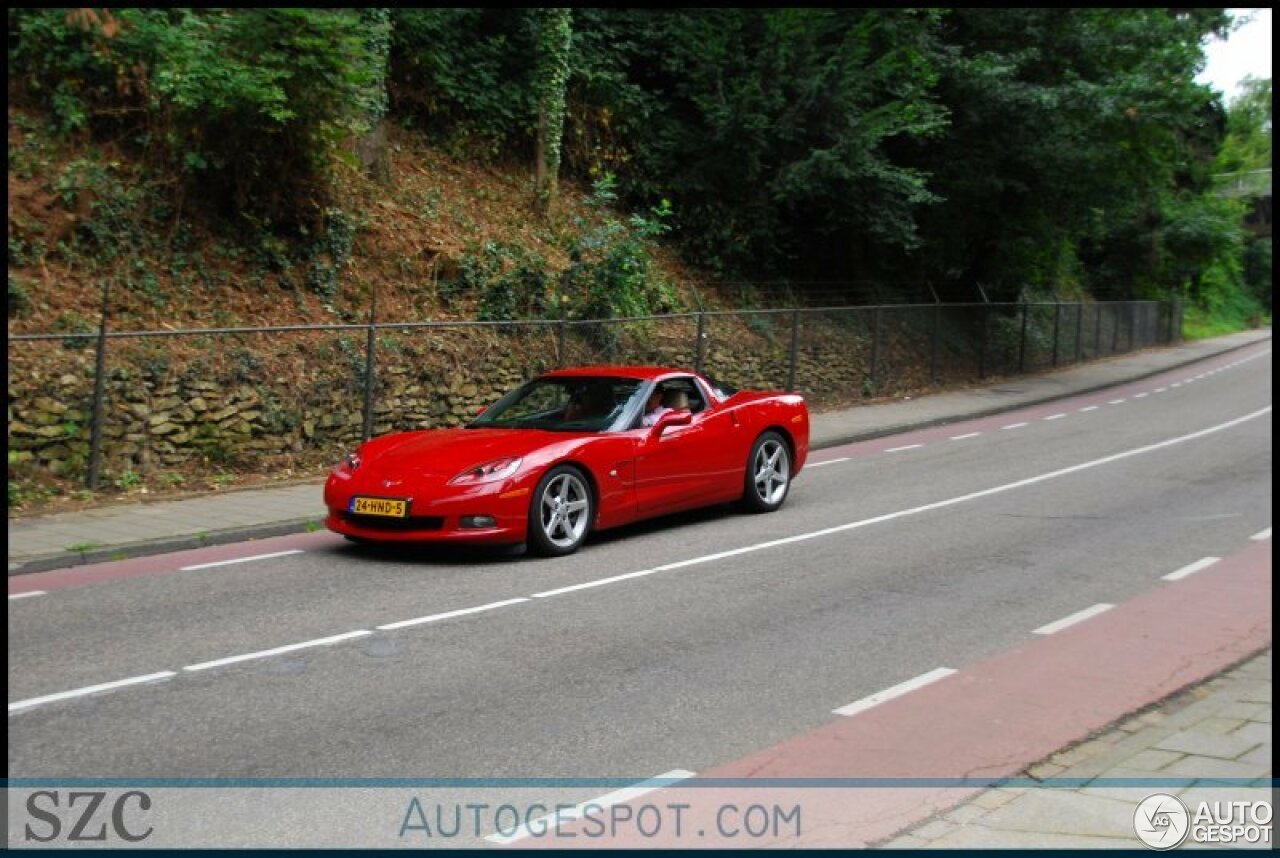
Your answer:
<point x="132" y="550"/>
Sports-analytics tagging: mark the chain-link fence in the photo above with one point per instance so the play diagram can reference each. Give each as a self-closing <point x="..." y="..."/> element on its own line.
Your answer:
<point x="92" y="406"/>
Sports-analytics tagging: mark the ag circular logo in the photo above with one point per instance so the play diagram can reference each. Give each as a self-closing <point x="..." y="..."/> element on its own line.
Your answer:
<point x="1161" y="821"/>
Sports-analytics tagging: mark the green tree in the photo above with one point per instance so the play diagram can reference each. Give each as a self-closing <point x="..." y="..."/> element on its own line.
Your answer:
<point x="1248" y="143"/>
<point x="551" y="76"/>
<point x="371" y="145"/>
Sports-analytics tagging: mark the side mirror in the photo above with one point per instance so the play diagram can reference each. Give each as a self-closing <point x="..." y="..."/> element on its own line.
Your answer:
<point x="683" y="417"/>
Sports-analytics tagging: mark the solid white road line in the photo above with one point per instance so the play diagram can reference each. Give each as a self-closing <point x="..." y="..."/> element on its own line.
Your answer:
<point x="896" y="691"/>
<point x="544" y="824"/>
<point x="900" y="449"/>
<point x="1078" y="617"/>
<point x="205" y="665"/>
<point x="91" y="689"/>
<point x="827" y="462"/>
<point x="450" y="614"/>
<point x="1014" y="426"/>
<point x="1190" y="569"/>
<point x="25" y="595"/>
<point x="239" y="560"/>
<point x="942" y="504"/>
<point x="967" y="435"/>
<point x="1261" y="535"/>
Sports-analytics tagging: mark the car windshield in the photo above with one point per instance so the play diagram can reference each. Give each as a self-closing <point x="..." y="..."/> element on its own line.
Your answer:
<point x="563" y="404"/>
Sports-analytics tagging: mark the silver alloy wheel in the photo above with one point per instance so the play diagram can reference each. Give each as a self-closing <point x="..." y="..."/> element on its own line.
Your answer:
<point x="772" y="470"/>
<point x="565" y="508"/>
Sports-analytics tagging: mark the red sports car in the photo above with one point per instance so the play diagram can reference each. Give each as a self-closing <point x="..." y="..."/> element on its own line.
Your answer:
<point x="573" y="451"/>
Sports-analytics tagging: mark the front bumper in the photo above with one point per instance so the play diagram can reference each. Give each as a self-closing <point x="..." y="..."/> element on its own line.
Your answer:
<point x="436" y="512"/>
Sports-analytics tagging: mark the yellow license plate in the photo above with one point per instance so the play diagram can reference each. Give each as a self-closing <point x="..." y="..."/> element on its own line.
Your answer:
<point x="380" y="506"/>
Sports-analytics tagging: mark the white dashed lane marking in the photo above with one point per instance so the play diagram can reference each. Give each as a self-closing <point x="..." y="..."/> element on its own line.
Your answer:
<point x="1190" y="569"/>
<point x="896" y="691"/>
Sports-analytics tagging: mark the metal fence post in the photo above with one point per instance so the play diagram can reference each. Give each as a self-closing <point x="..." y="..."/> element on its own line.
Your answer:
<point x="1057" y="324"/>
<point x="795" y="349"/>
<point x="982" y="349"/>
<point x="370" y="345"/>
<point x="1115" y="332"/>
<point x="875" y="345"/>
<point x="1079" y="324"/>
<point x="99" y="390"/>
<point x="1097" y="331"/>
<point x="935" y="344"/>
<point x="699" y="347"/>
<point x="1022" y="340"/>
<point x="562" y="331"/>
<point x="1133" y="321"/>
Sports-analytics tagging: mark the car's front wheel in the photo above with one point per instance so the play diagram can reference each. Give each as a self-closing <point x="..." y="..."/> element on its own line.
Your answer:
<point x="561" y="512"/>
<point x="768" y="473"/>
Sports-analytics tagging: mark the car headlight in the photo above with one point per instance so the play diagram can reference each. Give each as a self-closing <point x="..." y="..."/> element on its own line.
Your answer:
<point x="498" y="469"/>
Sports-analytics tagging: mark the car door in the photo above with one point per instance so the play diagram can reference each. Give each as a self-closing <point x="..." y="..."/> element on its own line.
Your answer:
<point x="685" y="466"/>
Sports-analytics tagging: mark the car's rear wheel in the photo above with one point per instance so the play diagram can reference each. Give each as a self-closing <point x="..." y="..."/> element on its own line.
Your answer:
<point x="768" y="473"/>
<point x="561" y="513"/>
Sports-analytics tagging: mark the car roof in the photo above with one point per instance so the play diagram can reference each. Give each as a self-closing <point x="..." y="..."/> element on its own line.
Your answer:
<point x="645" y="373"/>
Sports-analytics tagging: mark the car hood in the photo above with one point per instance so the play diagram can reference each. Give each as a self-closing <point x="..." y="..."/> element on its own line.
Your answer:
<point x="448" y="452"/>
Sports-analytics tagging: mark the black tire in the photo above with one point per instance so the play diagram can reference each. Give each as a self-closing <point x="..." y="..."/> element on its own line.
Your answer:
<point x="561" y="512"/>
<point x="768" y="478"/>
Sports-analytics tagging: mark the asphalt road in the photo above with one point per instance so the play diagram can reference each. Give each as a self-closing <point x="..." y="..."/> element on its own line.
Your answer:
<point x="888" y="561"/>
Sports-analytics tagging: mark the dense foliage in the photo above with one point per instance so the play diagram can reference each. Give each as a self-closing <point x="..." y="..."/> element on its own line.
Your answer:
<point x="247" y="103"/>
<point x="1063" y="150"/>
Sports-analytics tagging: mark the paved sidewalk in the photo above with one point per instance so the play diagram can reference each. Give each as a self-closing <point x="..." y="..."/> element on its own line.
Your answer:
<point x="111" y="533"/>
<point x="1211" y="743"/>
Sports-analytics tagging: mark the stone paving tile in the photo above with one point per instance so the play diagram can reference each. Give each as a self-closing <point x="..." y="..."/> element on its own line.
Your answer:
<point x="1084" y="751"/>
<point x="1220" y="725"/>
<point x="1045" y="770"/>
<point x="1257" y="695"/>
<point x="907" y="841"/>
<point x="1109" y="787"/>
<point x="1120" y="752"/>
<point x="1254" y="731"/>
<point x="978" y="837"/>
<point x="1260" y="755"/>
<point x="1243" y="711"/>
<point x="1201" y="744"/>
<point x="1208" y="768"/>
<point x="993" y="798"/>
<point x="1153" y="760"/>
<point x="1060" y="811"/>
<point x="933" y="830"/>
<point x="966" y="814"/>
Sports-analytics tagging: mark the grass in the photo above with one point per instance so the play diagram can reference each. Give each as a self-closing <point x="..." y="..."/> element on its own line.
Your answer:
<point x="1199" y="324"/>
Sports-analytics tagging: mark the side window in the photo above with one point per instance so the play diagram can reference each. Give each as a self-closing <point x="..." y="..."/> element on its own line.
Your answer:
<point x="686" y="390"/>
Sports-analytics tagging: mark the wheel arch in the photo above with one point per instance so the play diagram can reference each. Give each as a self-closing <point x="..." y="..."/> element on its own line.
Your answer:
<point x="786" y="436"/>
